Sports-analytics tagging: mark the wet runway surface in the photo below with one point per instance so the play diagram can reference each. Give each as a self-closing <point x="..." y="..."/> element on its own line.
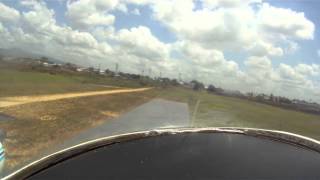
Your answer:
<point x="157" y="113"/>
<point x="4" y="117"/>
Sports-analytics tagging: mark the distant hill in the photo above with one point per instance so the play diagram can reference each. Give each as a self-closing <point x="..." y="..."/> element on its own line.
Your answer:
<point x="19" y="53"/>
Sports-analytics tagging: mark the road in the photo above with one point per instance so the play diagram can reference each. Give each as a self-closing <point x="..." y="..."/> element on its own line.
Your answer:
<point x="19" y="100"/>
<point x="157" y="113"/>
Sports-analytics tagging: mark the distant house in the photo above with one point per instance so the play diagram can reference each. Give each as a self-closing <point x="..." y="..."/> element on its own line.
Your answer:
<point x="81" y="69"/>
<point x="274" y="99"/>
<point x="233" y="93"/>
<point x="70" y="66"/>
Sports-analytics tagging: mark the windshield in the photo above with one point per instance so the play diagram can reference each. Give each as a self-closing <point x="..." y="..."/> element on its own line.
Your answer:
<point x="75" y="70"/>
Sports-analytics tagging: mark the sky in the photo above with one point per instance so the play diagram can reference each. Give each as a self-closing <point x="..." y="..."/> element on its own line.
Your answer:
<point x="262" y="46"/>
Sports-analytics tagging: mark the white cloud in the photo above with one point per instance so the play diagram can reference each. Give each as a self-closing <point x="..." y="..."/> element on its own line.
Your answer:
<point x="1" y="28"/>
<point x="209" y="66"/>
<point x="259" y="73"/>
<point x="308" y="70"/>
<point x="288" y="72"/>
<point x="136" y="12"/>
<point x="227" y="3"/>
<point x="265" y="31"/>
<point x="140" y="42"/>
<point x="258" y="63"/>
<point x="138" y="2"/>
<point x="84" y="14"/>
<point x="199" y="55"/>
<point x="122" y="7"/>
<point x="39" y="18"/>
<point x="8" y="14"/>
<point x="218" y="28"/>
<point x="262" y="48"/>
<point x="285" y="23"/>
<point x="37" y="31"/>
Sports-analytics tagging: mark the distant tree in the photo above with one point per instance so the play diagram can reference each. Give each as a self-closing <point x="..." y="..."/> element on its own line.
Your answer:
<point x="211" y="88"/>
<point x="196" y="85"/>
<point x="91" y="69"/>
<point x="44" y="59"/>
<point x="284" y="100"/>
<point x="250" y="95"/>
<point x="134" y="76"/>
<point x="174" y="82"/>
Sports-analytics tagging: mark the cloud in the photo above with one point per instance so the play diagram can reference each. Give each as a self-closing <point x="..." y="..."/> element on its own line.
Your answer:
<point x="262" y="48"/>
<point x="39" y="18"/>
<point x="199" y="55"/>
<point x="37" y="31"/>
<point x="209" y="66"/>
<point x="227" y="3"/>
<point x="287" y="72"/>
<point x="285" y="80"/>
<point x="8" y="14"/>
<point x="285" y="23"/>
<point x="136" y="12"/>
<point x="308" y="70"/>
<point x="258" y="63"/>
<point x="122" y="7"/>
<point x="84" y="14"/>
<point x="263" y="30"/>
<point x="140" y="42"/>
<point x="218" y="28"/>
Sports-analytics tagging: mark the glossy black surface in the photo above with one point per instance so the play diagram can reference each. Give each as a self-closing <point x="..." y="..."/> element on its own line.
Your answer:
<point x="191" y="156"/>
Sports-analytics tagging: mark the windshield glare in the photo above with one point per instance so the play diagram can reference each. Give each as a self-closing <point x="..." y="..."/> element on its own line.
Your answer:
<point x="76" y="70"/>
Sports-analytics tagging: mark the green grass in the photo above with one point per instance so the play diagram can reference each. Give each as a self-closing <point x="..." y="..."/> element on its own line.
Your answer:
<point x="220" y="111"/>
<point x="18" y="83"/>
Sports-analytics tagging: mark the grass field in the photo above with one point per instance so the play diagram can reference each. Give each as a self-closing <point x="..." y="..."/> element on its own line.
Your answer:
<point x="220" y="111"/>
<point x="40" y="125"/>
<point x="18" y="83"/>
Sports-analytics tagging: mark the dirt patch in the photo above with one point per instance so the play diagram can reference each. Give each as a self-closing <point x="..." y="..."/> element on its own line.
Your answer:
<point x="14" y="101"/>
<point x="110" y="113"/>
<point x="48" y="118"/>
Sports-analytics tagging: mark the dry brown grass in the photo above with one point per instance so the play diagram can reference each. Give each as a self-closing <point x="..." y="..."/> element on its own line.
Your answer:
<point x="41" y="125"/>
